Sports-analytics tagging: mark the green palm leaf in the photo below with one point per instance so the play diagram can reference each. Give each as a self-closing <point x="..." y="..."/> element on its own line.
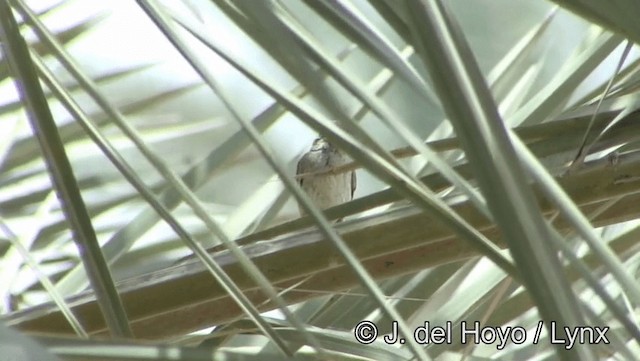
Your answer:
<point x="498" y="177"/>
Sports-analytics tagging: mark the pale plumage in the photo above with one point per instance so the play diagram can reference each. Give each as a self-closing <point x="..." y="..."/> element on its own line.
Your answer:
<point x="325" y="190"/>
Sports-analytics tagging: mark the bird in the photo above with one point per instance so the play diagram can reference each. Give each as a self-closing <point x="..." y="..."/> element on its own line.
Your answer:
<point x="328" y="189"/>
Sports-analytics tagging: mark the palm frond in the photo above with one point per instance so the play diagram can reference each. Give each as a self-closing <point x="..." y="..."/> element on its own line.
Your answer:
<point x="498" y="178"/>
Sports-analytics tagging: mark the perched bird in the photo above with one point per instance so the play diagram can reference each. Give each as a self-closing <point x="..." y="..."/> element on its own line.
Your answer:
<point x="325" y="190"/>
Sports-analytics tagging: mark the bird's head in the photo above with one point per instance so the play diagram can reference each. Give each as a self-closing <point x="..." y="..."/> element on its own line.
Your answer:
<point x="320" y="144"/>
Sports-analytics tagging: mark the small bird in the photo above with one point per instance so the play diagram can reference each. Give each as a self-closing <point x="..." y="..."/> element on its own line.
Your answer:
<point x="325" y="190"/>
